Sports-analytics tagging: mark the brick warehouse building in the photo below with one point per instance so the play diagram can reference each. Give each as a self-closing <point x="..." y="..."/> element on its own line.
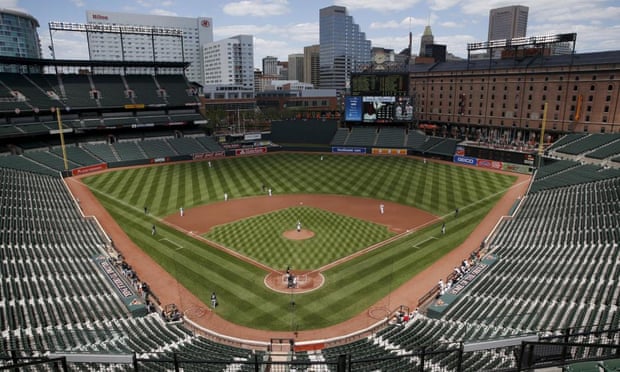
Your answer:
<point x="582" y="92"/>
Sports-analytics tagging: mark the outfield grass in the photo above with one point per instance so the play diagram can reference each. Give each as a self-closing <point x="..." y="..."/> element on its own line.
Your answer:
<point x="350" y="287"/>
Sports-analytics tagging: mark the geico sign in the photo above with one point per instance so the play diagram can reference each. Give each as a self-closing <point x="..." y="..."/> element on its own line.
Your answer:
<point x="466" y="160"/>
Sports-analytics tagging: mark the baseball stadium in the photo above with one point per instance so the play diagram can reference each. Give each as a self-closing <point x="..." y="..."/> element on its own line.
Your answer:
<point x="132" y="238"/>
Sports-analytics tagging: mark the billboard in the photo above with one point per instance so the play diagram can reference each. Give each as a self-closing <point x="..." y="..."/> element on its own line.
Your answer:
<point x="353" y="108"/>
<point x="383" y="97"/>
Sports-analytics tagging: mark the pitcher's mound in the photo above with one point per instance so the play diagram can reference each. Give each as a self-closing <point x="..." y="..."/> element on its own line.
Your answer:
<point x="298" y="235"/>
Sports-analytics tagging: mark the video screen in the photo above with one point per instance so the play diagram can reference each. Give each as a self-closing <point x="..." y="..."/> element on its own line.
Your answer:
<point x="386" y="109"/>
<point x="353" y="108"/>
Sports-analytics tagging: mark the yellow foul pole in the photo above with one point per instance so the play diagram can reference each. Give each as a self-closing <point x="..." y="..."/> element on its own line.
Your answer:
<point x="62" y="138"/>
<point x="542" y="135"/>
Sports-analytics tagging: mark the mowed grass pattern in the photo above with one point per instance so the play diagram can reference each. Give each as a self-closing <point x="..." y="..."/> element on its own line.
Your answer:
<point x="261" y="237"/>
<point x="350" y="287"/>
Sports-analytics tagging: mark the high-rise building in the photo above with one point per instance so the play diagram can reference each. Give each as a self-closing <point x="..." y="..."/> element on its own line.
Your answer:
<point x="343" y="47"/>
<point x="18" y="36"/>
<point x="140" y="44"/>
<point x="270" y="65"/>
<point x="508" y="22"/>
<point x="282" y="67"/>
<point x="312" y="65"/>
<point x="296" y="67"/>
<point x="229" y="66"/>
<point x="426" y="39"/>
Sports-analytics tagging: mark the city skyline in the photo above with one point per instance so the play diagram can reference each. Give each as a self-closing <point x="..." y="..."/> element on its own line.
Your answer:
<point x="283" y="27"/>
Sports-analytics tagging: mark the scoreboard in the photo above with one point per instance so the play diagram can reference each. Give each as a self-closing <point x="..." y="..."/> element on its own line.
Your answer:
<point x="379" y="84"/>
<point x="503" y="155"/>
<point x="379" y="98"/>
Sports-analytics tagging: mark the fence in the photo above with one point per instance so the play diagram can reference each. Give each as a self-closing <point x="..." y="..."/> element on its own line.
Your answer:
<point x="560" y="348"/>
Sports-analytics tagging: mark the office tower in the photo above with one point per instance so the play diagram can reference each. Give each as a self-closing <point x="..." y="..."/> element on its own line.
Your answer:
<point x="270" y="65"/>
<point x="311" y="65"/>
<point x="229" y="64"/>
<point x="343" y="47"/>
<point x="426" y="39"/>
<point x="296" y="67"/>
<point x="141" y="45"/>
<point x="18" y="36"/>
<point x="508" y="22"/>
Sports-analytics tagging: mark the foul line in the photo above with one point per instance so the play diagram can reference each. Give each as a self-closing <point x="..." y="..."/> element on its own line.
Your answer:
<point x="424" y="241"/>
<point x="119" y="201"/>
<point x="172" y="242"/>
<point x="489" y="197"/>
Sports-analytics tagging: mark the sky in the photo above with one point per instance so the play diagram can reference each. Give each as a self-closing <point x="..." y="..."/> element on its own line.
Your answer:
<point x="283" y="27"/>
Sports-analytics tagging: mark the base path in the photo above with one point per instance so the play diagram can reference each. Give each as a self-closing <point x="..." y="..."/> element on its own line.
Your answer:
<point x="398" y="218"/>
<point x="169" y="291"/>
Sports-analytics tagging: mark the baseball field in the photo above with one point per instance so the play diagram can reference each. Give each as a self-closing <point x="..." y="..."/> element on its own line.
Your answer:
<point x="231" y="246"/>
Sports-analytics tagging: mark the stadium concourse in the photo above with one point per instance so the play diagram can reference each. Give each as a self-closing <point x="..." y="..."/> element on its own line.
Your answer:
<point x="413" y="290"/>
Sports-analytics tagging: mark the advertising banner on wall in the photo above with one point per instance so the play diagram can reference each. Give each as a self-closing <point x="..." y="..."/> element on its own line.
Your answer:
<point x="384" y="151"/>
<point x="349" y="150"/>
<point x="89" y="169"/>
<point x="484" y="163"/>
<point x="465" y="160"/>
<point x="353" y="109"/>
<point x="251" y="151"/>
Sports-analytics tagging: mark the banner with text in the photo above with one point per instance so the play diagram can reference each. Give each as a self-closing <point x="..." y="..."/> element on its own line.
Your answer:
<point x="208" y="155"/>
<point x="251" y="151"/>
<point x="384" y="151"/>
<point x="465" y="160"/>
<point x="350" y="150"/>
<point x="89" y="169"/>
<point x="492" y="164"/>
<point x="133" y="303"/>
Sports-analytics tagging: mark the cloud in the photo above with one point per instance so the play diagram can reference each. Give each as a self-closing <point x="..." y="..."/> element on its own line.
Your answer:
<point x="11" y="4"/>
<point x="271" y="47"/>
<point x="405" y="23"/>
<point x="67" y="45"/>
<point x="397" y="43"/>
<point x="304" y="32"/>
<point x="300" y="32"/>
<point x="257" y="8"/>
<point x="456" y="44"/>
<point x="379" y="6"/>
<point x="445" y="4"/>
<point x="450" y="24"/>
<point x="163" y="12"/>
<point x="78" y="3"/>
<point x="223" y="32"/>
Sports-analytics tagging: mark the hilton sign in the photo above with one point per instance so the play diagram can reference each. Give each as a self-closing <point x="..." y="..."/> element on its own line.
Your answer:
<point x="99" y="16"/>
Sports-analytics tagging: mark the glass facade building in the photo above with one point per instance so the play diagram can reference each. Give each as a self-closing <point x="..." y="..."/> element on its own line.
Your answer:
<point x="343" y="47"/>
<point x="508" y="22"/>
<point x="18" y="36"/>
